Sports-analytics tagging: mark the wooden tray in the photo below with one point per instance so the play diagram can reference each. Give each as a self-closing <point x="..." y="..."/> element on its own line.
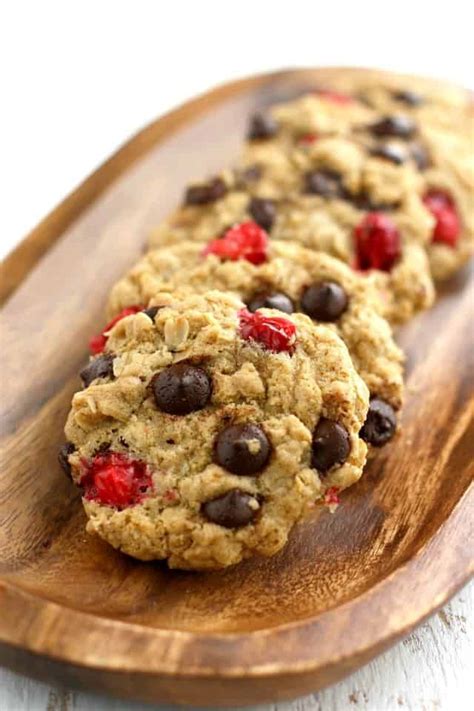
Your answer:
<point x="345" y="588"/>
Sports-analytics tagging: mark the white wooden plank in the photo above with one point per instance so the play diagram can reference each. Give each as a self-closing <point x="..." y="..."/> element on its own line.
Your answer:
<point x="431" y="670"/>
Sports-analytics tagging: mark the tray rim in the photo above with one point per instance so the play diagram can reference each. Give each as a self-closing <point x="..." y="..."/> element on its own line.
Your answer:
<point x="381" y="591"/>
<point x="434" y="592"/>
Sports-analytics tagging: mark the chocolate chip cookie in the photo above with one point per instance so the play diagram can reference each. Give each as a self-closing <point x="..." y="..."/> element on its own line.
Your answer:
<point x="278" y="275"/>
<point x="205" y="431"/>
<point x="320" y="217"/>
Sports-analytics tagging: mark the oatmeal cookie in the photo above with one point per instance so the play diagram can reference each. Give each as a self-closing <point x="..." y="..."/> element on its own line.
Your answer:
<point x="204" y="431"/>
<point x="286" y="277"/>
<point x="423" y="131"/>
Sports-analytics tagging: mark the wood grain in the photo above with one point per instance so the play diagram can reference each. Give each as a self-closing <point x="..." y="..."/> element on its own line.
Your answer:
<point x="347" y="585"/>
<point x="428" y="670"/>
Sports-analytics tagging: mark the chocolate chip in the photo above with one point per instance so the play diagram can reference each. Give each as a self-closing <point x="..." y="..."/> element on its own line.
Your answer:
<point x="181" y="388"/>
<point x="64" y="451"/>
<point x="231" y="510"/>
<point x="242" y="449"/>
<point x="261" y="126"/>
<point x="269" y="300"/>
<point x="392" y="153"/>
<point x="420" y="156"/>
<point x="250" y="174"/>
<point x="151" y="311"/>
<point x="400" y="126"/>
<point x="100" y="367"/>
<point x="410" y="98"/>
<point x="380" y="423"/>
<point x="206" y="192"/>
<point x="327" y="183"/>
<point x="325" y="301"/>
<point x="331" y="445"/>
<point x="263" y="212"/>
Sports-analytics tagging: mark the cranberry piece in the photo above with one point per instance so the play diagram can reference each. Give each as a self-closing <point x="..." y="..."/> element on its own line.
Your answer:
<point x="115" y="479"/>
<point x="246" y="240"/>
<point x="272" y="332"/>
<point x="378" y="243"/>
<point x="307" y="139"/>
<point x="447" y="226"/>
<point x="97" y="343"/>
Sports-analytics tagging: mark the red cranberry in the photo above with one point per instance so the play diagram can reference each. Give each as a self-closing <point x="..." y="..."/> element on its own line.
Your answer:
<point x="447" y="226"/>
<point x="246" y="240"/>
<point x="97" y="343"/>
<point x="307" y="139"/>
<point x="274" y="333"/>
<point x="377" y="242"/>
<point x="115" y="479"/>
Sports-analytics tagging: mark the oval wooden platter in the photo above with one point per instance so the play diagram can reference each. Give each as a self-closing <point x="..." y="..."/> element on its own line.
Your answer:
<point x="347" y="585"/>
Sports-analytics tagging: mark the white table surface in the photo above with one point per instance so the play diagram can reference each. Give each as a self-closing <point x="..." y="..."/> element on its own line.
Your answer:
<point x="79" y="78"/>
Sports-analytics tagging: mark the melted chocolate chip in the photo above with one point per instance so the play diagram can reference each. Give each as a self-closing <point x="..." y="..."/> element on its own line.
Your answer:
<point x="206" y="192"/>
<point x="331" y="445"/>
<point x="64" y="451"/>
<point x="181" y="388"/>
<point x="269" y="300"/>
<point x="410" y="98"/>
<point x="151" y="311"/>
<point x="262" y="126"/>
<point x="326" y="183"/>
<point x="380" y="424"/>
<point x="242" y="449"/>
<point x="392" y="153"/>
<point x="100" y="367"/>
<point x="420" y="156"/>
<point x="263" y="212"/>
<point x="399" y="126"/>
<point x="325" y="301"/>
<point x="231" y="510"/>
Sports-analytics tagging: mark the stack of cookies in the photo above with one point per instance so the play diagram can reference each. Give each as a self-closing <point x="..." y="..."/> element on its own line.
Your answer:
<point x="248" y="368"/>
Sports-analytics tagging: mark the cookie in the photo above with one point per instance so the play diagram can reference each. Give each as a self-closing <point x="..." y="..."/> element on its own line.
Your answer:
<point x="331" y="226"/>
<point x="372" y="145"/>
<point x="286" y="277"/>
<point x="421" y="130"/>
<point x="209" y="431"/>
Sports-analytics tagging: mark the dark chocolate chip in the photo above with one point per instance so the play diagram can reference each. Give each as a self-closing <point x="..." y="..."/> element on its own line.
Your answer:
<point x="271" y="300"/>
<point x="242" y="449"/>
<point x="331" y="445"/>
<point x="380" y="424"/>
<point x="206" y="192"/>
<point x="231" y="510"/>
<point x="263" y="212"/>
<point x="410" y="98"/>
<point x="100" y="367"/>
<point x="392" y="153"/>
<point x="325" y="301"/>
<point x="262" y="126"/>
<point x="181" y="388"/>
<point x="64" y="451"/>
<point x="420" y="156"/>
<point x="326" y="183"/>
<point x="151" y="311"/>
<point x="399" y="126"/>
